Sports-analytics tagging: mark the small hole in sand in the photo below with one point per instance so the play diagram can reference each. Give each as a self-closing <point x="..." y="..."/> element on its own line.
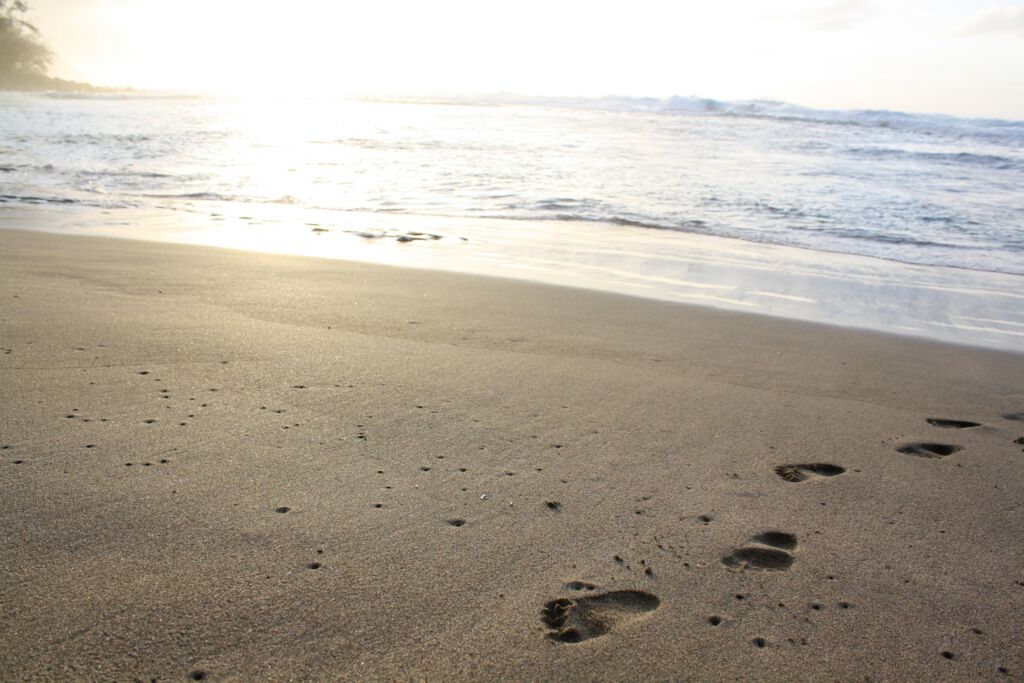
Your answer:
<point x="759" y="642"/>
<point x="714" y="620"/>
<point x="282" y="509"/>
<point x="456" y="522"/>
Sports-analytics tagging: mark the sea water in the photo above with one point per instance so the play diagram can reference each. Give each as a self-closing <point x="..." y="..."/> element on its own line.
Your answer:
<point x="547" y="183"/>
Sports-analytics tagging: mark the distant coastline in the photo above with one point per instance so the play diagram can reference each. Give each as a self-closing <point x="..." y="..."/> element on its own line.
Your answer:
<point x="40" y="83"/>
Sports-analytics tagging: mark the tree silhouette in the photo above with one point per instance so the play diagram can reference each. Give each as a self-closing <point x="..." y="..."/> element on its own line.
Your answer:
<point x="24" y="58"/>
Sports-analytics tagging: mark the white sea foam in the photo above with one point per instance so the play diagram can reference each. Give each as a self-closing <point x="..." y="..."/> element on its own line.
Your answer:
<point x="1003" y="131"/>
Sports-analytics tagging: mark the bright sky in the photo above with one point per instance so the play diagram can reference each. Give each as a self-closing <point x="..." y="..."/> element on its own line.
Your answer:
<point x="962" y="57"/>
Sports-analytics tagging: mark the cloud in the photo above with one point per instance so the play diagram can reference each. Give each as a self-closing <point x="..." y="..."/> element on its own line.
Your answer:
<point x="837" y="15"/>
<point x="994" y="19"/>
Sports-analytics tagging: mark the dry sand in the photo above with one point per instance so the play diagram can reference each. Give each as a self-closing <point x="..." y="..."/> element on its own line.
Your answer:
<point x="247" y="467"/>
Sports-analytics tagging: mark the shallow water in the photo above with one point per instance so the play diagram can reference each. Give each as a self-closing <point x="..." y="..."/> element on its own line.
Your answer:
<point x="943" y="304"/>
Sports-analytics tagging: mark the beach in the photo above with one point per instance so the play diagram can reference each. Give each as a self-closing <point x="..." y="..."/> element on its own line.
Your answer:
<point x="221" y="465"/>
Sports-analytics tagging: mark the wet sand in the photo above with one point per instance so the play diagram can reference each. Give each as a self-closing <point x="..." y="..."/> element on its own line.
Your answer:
<point x="222" y="465"/>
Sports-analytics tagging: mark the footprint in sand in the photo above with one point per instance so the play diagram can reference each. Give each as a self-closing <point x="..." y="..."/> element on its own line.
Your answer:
<point x="928" y="450"/>
<point x="769" y="550"/>
<point x="573" y="620"/>
<point x="580" y="586"/>
<point x="1016" y="417"/>
<point x="951" y="424"/>
<point x="798" y="473"/>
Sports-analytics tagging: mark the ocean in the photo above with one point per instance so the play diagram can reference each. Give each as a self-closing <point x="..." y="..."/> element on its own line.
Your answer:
<point x="925" y="190"/>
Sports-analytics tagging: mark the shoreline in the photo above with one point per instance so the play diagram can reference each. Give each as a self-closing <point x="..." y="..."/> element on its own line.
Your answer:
<point x="246" y="466"/>
<point x="974" y="308"/>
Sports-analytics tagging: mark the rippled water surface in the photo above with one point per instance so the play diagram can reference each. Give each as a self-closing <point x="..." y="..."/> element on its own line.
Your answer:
<point x="919" y="189"/>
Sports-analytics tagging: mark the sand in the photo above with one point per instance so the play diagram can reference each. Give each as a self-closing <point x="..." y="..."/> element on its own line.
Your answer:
<point x="223" y="465"/>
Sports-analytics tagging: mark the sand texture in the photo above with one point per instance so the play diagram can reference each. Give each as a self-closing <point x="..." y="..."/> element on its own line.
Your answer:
<point x="231" y="466"/>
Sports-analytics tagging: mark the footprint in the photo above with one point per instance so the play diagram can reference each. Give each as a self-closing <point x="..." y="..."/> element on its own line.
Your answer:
<point x="928" y="450"/>
<point x="797" y="473"/>
<point x="771" y="552"/>
<point x="573" y="620"/>
<point x="1016" y="417"/>
<point x="580" y="586"/>
<point x="776" y="539"/>
<point x="951" y="424"/>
